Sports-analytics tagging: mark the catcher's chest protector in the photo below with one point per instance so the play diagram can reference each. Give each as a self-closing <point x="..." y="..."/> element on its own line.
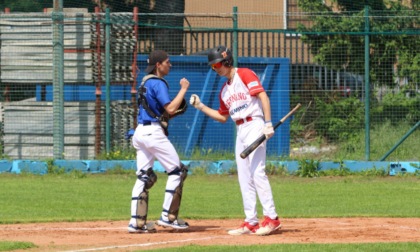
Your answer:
<point x="142" y="90"/>
<point x="164" y="118"/>
<point x="142" y="101"/>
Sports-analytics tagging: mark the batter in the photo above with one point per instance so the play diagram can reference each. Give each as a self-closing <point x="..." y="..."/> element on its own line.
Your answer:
<point x="244" y="99"/>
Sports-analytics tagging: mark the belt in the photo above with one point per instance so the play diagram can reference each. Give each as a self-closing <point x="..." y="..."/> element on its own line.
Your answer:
<point x="146" y="123"/>
<point x="241" y="121"/>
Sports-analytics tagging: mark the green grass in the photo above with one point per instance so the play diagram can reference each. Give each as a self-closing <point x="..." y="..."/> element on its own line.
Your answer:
<point x="34" y="198"/>
<point x="383" y="247"/>
<point x="9" y="246"/>
<point x="84" y="197"/>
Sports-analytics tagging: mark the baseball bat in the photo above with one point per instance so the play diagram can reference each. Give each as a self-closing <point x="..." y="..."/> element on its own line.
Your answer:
<point x="245" y="153"/>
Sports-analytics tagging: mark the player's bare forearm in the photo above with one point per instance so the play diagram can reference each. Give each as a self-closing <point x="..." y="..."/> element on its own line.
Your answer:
<point x="265" y="102"/>
<point x="214" y="114"/>
<point x="176" y="102"/>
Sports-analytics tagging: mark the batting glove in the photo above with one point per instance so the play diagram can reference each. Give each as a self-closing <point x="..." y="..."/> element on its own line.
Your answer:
<point x="268" y="130"/>
<point x="195" y="101"/>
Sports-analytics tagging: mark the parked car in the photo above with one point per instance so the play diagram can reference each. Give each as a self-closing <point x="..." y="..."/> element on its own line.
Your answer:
<point x="350" y="84"/>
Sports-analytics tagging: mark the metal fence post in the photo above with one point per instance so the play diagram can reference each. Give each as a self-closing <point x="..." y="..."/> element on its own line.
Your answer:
<point x="107" y="80"/>
<point x="235" y="36"/>
<point x="235" y="48"/>
<point x="58" y="79"/>
<point x="367" y="85"/>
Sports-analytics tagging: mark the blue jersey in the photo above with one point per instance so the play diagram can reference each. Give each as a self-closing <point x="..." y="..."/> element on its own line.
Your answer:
<point x="157" y="96"/>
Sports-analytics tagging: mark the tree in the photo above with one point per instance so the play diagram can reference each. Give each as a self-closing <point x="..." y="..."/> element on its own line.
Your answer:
<point x="344" y="50"/>
<point x="170" y="39"/>
<point x="22" y="5"/>
<point x="39" y="5"/>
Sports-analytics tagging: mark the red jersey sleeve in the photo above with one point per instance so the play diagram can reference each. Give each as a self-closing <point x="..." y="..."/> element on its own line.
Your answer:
<point x="223" y="110"/>
<point x="251" y="80"/>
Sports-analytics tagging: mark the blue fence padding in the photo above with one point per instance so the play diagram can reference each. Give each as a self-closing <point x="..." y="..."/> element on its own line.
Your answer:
<point x="110" y="164"/>
<point x="6" y="166"/>
<point x="27" y="166"/>
<point x="195" y="130"/>
<point x="290" y="166"/>
<point x="210" y="167"/>
<point x="357" y="166"/>
<point x="69" y="165"/>
<point x="77" y="92"/>
<point x="94" y="166"/>
<point x="329" y="165"/>
<point x="354" y="166"/>
<point x="403" y="167"/>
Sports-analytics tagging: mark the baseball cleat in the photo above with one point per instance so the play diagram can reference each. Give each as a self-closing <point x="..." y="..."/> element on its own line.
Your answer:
<point x="268" y="226"/>
<point x="176" y="224"/>
<point x="245" y="228"/>
<point x="148" y="228"/>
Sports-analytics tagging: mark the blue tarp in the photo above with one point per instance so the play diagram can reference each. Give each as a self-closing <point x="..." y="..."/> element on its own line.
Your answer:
<point x="193" y="129"/>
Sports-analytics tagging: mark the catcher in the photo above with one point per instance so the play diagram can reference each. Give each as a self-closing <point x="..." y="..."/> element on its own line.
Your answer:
<point x="151" y="142"/>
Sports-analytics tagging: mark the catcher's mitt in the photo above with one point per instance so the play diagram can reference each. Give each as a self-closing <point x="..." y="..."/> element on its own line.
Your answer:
<point x="164" y="122"/>
<point x="165" y="117"/>
<point x="181" y="110"/>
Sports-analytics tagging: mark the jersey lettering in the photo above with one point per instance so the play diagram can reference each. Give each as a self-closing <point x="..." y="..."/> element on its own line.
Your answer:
<point x="238" y="97"/>
<point x="235" y="98"/>
<point x="233" y="111"/>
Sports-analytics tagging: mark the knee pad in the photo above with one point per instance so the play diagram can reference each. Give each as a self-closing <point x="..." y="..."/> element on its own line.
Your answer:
<point x="149" y="178"/>
<point x="177" y="193"/>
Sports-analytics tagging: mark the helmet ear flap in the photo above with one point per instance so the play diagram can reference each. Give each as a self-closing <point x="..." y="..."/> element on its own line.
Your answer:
<point x="229" y="58"/>
<point x="227" y="63"/>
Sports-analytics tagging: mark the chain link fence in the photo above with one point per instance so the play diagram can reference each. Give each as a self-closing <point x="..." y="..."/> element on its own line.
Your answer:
<point x="355" y="73"/>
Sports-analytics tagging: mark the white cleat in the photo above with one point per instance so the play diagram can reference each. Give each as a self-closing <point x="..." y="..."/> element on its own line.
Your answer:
<point x="176" y="224"/>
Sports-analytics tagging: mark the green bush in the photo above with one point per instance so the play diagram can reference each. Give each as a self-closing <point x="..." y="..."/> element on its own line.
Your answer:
<point x="271" y="169"/>
<point x="395" y="108"/>
<point x="338" y="120"/>
<point x="308" y="168"/>
<point x="341" y="171"/>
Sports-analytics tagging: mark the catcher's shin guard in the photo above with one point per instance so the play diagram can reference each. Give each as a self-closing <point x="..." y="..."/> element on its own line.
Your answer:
<point x="177" y="193"/>
<point x="149" y="178"/>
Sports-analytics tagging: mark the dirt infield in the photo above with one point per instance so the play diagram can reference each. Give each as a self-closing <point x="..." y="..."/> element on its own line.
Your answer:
<point x="113" y="236"/>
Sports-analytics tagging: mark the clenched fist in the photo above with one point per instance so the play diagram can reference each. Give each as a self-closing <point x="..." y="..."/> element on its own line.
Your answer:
<point x="195" y="101"/>
<point x="268" y="130"/>
<point x="184" y="83"/>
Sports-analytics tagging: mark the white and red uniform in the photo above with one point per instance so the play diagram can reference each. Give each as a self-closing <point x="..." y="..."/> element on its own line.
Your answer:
<point x="238" y="99"/>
